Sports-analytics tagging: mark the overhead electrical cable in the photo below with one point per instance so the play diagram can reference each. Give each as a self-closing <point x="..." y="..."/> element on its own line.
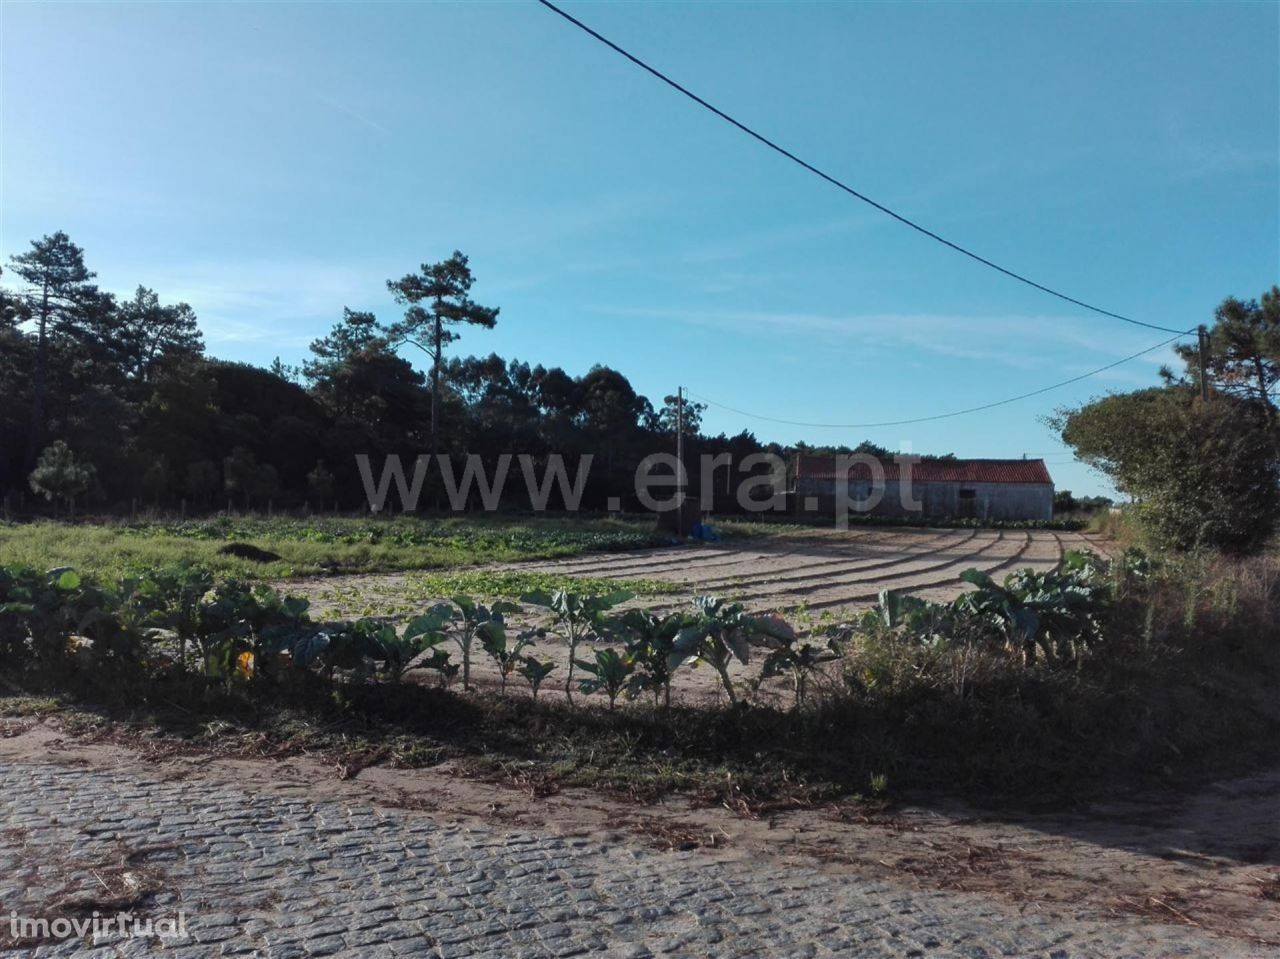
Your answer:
<point x="939" y="416"/>
<point x="839" y="184"/>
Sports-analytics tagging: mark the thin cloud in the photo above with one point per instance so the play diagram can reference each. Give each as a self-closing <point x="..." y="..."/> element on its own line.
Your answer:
<point x="1020" y="342"/>
<point x="297" y="85"/>
<point x="368" y="121"/>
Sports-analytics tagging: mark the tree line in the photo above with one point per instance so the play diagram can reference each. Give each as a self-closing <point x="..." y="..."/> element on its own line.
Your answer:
<point x="113" y="401"/>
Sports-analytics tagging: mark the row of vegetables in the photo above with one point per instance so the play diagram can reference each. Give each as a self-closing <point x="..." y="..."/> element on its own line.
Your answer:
<point x="64" y="628"/>
<point x="409" y="530"/>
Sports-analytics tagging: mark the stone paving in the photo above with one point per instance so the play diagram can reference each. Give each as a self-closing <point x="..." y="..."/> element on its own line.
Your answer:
<point x="263" y="875"/>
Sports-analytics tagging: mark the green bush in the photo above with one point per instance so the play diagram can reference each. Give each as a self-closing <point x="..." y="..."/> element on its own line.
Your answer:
<point x="1203" y="475"/>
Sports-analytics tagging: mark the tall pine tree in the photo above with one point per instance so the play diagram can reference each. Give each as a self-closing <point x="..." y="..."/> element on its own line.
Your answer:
<point x="56" y="287"/>
<point x="438" y="298"/>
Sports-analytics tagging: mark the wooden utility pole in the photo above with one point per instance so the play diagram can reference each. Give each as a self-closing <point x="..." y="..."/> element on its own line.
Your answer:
<point x="680" y="461"/>
<point x="1203" y="336"/>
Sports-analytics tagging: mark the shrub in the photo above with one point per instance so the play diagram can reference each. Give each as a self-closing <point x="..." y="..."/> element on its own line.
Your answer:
<point x="1205" y="475"/>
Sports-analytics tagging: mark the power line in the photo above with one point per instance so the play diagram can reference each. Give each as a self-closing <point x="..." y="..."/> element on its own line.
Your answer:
<point x="939" y="416"/>
<point x="901" y="219"/>
<point x="840" y="184"/>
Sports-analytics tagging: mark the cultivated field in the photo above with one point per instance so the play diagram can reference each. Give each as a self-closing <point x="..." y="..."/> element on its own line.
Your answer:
<point x="818" y="570"/>
<point x="822" y="574"/>
<point x="832" y="570"/>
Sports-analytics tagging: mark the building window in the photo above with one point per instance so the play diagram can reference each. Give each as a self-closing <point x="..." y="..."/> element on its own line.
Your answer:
<point x="968" y="494"/>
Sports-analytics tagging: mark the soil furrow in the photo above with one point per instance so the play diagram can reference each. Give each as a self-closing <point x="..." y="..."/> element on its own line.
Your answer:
<point x="950" y="581"/>
<point x="808" y="570"/>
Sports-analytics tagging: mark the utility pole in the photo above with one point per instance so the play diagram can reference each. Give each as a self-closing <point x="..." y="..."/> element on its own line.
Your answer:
<point x="680" y="461"/>
<point x="1203" y="335"/>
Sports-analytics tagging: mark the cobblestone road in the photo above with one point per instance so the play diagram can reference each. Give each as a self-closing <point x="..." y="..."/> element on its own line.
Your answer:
<point x="261" y="875"/>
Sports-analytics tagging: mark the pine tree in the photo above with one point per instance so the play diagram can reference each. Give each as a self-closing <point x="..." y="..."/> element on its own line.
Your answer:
<point x="59" y="476"/>
<point x="57" y="285"/>
<point x="445" y="289"/>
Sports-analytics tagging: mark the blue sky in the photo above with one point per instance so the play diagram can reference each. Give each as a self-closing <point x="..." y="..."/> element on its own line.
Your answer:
<point x="272" y="163"/>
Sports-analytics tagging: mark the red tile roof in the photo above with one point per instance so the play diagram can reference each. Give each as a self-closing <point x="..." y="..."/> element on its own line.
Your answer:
<point x="933" y="471"/>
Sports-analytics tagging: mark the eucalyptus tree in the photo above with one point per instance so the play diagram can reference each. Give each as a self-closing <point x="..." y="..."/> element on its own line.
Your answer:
<point x="672" y="414"/>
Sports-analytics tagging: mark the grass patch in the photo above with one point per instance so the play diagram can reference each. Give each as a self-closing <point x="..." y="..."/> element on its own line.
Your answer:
<point x="515" y="582"/>
<point x="20" y="706"/>
<point x="415" y="589"/>
<point x="317" y="545"/>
